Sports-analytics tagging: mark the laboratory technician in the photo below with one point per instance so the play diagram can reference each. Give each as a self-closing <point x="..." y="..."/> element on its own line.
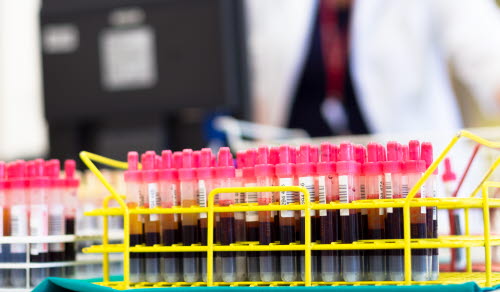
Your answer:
<point x="371" y="66"/>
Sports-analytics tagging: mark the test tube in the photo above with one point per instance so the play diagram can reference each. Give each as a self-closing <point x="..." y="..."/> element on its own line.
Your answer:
<point x="414" y="167"/>
<point x="432" y="223"/>
<point x="394" y="216"/>
<point x="306" y="171"/>
<point x="151" y="221"/>
<point x="376" y="217"/>
<point x="349" y="170"/>
<point x="57" y="225"/>
<point x="360" y="157"/>
<point x="189" y="193"/>
<point x="71" y="203"/>
<point x="264" y="172"/>
<point x="4" y="226"/>
<point x="285" y="171"/>
<point x="225" y="174"/>
<point x="315" y="220"/>
<point x="39" y="220"/>
<point x="167" y="183"/>
<point x="251" y="217"/>
<point x="274" y="154"/>
<point x="135" y="200"/>
<point x="239" y="218"/>
<point x="328" y="188"/>
<point x="206" y="183"/>
<point x="16" y="185"/>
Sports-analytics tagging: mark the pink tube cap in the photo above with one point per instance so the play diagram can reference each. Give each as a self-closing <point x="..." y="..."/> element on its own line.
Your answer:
<point x="285" y="168"/>
<point x="132" y="174"/>
<point x="448" y="174"/>
<point x="225" y="165"/>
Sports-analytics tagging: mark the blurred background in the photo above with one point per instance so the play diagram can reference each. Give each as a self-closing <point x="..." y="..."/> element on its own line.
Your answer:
<point x="109" y="76"/>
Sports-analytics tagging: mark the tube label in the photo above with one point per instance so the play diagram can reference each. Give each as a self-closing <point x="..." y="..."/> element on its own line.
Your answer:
<point x="173" y="193"/>
<point x="251" y="198"/>
<point x="39" y="226"/>
<point x="380" y="192"/>
<point x="202" y="197"/>
<point x="308" y="183"/>
<point x="404" y="186"/>
<point x="286" y="197"/>
<point x="322" y="193"/>
<point x="388" y="190"/>
<point x="153" y="200"/>
<point x="19" y="226"/>
<point x="56" y="226"/>
<point x="423" y="194"/>
<point x="344" y="193"/>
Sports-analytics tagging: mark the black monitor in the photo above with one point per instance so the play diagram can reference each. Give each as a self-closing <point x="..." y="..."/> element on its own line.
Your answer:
<point x="139" y="74"/>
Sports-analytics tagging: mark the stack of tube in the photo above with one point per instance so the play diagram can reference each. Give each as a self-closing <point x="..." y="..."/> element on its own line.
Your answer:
<point x="331" y="173"/>
<point x="36" y="201"/>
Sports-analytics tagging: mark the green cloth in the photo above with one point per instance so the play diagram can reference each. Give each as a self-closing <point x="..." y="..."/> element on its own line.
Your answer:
<point x="67" y="285"/>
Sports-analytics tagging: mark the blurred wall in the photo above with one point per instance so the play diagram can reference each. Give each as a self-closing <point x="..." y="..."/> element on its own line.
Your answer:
<point x="23" y="131"/>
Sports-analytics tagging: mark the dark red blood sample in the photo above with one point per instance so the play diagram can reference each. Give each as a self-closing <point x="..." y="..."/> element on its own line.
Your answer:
<point x="349" y="232"/>
<point x="69" y="247"/>
<point x="418" y="230"/>
<point x="394" y="228"/>
<point x="135" y="239"/>
<point x="168" y="239"/>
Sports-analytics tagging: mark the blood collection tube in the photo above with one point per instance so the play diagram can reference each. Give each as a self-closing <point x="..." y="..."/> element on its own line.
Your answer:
<point x="360" y="157"/>
<point x="239" y="218"/>
<point x="294" y="153"/>
<point x="349" y="170"/>
<point x="206" y="183"/>
<point x="426" y="154"/>
<point x="413" y="168"/>
<point x="39" y="218"/>
<point x="19" y="202"/>
<point x="394" y="216"/>
<point x="251" y="217"/>
<point x="374" y="177"/>
<point x="306" y="171"/>
<point x="4" y="226"/>
<point x="328" y="192"/>
<point x="285" y="171"/>
<point x="274" y="154"/>
<point x="189" y="197"/>
<point x="57" y="225"/>
<point x="152" y="221"/>
<point x="225" y="174"/>
<point x="264" y="173"/>
<point x="167" y="183"/>
<point x="135" y="200"/>
<point x="71" y="203"/>
<point x="316" y="274"/>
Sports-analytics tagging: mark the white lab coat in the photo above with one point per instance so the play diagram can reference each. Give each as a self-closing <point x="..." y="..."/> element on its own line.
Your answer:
<point x="400" y="51"/>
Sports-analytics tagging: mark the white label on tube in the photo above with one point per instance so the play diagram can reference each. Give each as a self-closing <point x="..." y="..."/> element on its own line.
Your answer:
<point x="286" y="197"/>
<point x="344" y="193"/>
<point x="173" y="193"/>
<point x="434" y="213"/>
<point x="322" y="193"/>
<point x="251" y="197"/>
<point x="56" y="226"/>
<point x="380" y="192"/>
<point x="202" y="197"/>
<point x="19" y="226"/>
<point x="388" y="189"/>
<point x="153" y="200"/>
<point x="362" y="188"/>
<point x="423" y="194"/>
<point x="39" y="226"/>
<point x="404" y="186"/>
<point x="308" y="183"/>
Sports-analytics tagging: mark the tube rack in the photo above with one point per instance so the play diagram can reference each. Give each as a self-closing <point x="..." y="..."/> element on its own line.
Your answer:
<point x="484" y="279"/>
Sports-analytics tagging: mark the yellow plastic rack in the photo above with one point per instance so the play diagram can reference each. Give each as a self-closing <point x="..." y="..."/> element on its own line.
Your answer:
<point x="484" y="279"/>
